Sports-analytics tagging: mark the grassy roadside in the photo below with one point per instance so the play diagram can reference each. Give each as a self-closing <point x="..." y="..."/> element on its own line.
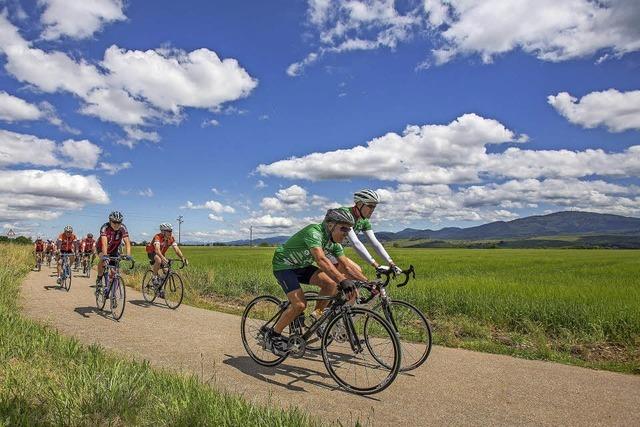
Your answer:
<point x="579" y="307"/>
<point x="49" y="379"/>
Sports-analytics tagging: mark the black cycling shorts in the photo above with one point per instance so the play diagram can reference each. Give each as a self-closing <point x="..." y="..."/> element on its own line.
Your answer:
<point x="290" y="279"/>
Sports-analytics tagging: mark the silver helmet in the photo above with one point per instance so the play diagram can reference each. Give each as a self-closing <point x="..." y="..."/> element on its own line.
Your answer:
<point x="340" y="216"/>
<point x="366" y="196"/>
<point x="165" y="226"/>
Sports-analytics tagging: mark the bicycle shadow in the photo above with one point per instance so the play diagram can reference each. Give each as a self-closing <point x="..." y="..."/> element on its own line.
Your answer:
<point x="53" y="287"/>
<point x="85" y="311"/>
<point x="145" y="304"/>
<point x="297" y="374"/>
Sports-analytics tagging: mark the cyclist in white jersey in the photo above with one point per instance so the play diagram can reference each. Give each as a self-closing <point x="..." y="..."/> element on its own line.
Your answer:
<point x="365" y="201"/>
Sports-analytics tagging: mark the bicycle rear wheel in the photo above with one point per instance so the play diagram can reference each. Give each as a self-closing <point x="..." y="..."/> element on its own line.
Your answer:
<point x="148" y="290"/>
<point x="356" y="370"/>
<point x="260" y="314"/>
<point x="173" y="291"/>
<point x="118" y="297"/>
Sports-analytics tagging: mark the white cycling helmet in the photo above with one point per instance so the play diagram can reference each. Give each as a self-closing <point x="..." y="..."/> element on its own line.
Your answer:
<point x="165" y="226"/>
<point x="68" y="228"/>
<point x="366" y="196"/>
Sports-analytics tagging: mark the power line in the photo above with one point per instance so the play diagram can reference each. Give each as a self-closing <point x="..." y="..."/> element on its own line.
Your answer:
<point x="180" y="221"/>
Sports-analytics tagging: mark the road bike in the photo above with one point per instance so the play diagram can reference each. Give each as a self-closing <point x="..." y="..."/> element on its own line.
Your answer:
<point x="409" y="323"/>
<point x="87" y="263"/>
<point x="351" y="336"/>
<point x="38" y="261"/>
<point x="65" y="275"/>
<point x="170" y="286"/>
<point x="113" y="288"/>
<point x="49" y="255"/>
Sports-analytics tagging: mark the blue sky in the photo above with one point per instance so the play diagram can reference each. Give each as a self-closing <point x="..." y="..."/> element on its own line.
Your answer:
<point x="263" y="114"/>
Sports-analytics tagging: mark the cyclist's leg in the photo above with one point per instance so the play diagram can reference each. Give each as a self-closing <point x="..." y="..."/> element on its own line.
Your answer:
<point x="58" y="262"/>
<point x="157" y="262"/>
<point x="290" y="282"/>
<point x="327" y="286"/>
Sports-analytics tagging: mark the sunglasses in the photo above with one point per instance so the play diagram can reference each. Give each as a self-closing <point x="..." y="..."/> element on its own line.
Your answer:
<point x="345" y="229"/>
<point x="116" y="222"/>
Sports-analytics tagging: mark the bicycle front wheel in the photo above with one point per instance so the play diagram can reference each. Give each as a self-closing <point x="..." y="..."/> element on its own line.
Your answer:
<point x="413" y="331"/>
<point x="148" y="290"/>
<point x="347" y="358"/>
<point x="118" y="297"/>
<point x="66" y="283"/>
<point x="100" y="297"/>
<point x="260" y="314"/>
<point x="173" y="291"/>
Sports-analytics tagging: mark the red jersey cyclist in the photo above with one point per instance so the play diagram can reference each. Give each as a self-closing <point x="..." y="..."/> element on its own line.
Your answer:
<point x="112" y="233"/>
<point x="159" y="246"/>
<point x="88" y="248"/>
<point x="38" y="250"/>
<point x="66" y="245"/>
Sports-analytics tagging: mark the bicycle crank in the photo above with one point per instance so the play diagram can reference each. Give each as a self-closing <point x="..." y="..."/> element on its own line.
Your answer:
<point x="297" y="346"/>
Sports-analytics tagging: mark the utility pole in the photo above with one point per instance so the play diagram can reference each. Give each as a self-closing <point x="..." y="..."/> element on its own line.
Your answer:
<point x="180" y="221"/>
<point x="251" y="236"/>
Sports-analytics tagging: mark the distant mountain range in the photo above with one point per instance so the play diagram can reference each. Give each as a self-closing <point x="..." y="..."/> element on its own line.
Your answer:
<point x="555" y="224"/>
<point x="590" y="230"/>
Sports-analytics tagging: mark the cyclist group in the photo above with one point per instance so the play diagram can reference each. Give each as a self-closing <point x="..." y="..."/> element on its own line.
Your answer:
<point x="113" y="235"/>
<point x="313" y="255"/>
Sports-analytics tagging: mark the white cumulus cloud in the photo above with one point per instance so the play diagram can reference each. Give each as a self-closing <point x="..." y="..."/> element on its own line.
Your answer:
<point x="618" y="111"/>
<point x="78" y="19"/>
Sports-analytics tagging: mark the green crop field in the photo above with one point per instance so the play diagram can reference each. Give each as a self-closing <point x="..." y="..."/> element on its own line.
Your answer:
<point x="573" y="306"/>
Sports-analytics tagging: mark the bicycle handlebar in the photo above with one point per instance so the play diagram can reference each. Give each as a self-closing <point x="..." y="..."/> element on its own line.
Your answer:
<point x="171" y="260"/>
<point x="389" y="273"/>
<point x="120" y="258"/>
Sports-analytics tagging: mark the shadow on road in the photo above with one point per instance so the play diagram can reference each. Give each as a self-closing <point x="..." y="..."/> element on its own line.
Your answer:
<point x="296" y="374"/>
<point x="85" y="311"/>
<point x="144" y="304"/>
<point x="53" y="287"/>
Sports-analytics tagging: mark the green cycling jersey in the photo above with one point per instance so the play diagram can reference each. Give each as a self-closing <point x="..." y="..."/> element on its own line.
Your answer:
<point x="362" y="224"/>
<point x="296" y="252"/>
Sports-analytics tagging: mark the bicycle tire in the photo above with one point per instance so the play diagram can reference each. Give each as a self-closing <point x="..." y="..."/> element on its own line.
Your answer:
<point x="415" y="351"/>
<point x="250" y="330"/>
<point x="101" y="300"/>
<point x="118" y="294"/>
<point x="148" y="290"/>
<point x="334" y="360"/>
<point x="173" y="291"/>
<point x="66" y="282"/>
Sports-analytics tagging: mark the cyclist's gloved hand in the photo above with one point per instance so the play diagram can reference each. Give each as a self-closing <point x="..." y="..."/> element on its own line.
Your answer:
<point x="382" y="269"/>
<point x="396" y="269"/>
<point x="186" y="261"/>
<point x="348" y="286"/>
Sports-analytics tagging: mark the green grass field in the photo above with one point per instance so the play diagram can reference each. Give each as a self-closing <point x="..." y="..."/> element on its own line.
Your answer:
<point x="573" y="306"/>
<point x="49" y="379"/>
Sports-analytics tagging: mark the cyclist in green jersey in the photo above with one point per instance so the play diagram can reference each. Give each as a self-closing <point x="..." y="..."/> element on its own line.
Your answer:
<point x="365" y="201"/>
<point x="303" y="259"/>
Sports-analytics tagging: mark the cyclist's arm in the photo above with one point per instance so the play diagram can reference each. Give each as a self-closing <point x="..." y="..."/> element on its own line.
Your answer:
<point x="58" y="245"/>
<point x="103" y="245"/>
<point x="127" y="245"/>
<point x="156" y="247"/>
<point x="360" y="249"/>
<point x="178" y="251"/>
<point x="378" y="246"/>
<point x="350" y="269"/>
<point x="326" y="266"/>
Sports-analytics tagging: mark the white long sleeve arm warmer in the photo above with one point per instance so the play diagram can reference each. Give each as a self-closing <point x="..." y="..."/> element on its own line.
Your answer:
<point x="377" y="246"/>
<point x="359" y="247"/>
